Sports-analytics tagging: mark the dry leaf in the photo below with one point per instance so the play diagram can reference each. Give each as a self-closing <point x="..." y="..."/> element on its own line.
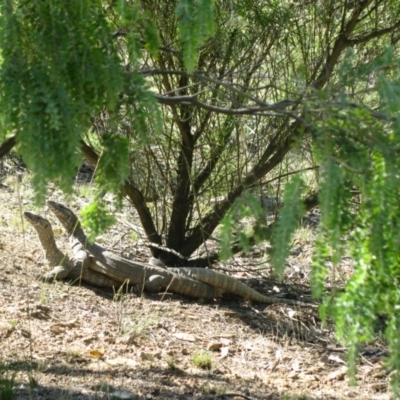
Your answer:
<point x="70" y="324"/>
<point x="337" y="375"/>
<point x="227" y="335"/>
<point x="146" y="356"/>
<point x="122" y="395"/>
<point x="235" y="314"/>
<point x="224" y="352"/>
<point x="5" y="330"/>
<point x="88" y="339"/>
<point x="274" y="365"/>
<point x="24" y="332"/>
<point x="248" y="346"/>
<point x="57" y="329"/>
<point x="293" y="375"/>
<point x="295" y="365"/>
<point x="333" y="357"/>
<point x="184" y="336"/>
<point x="123" y="361"/>
<point x="214" y="346"/>
<point x="97" y="353"/>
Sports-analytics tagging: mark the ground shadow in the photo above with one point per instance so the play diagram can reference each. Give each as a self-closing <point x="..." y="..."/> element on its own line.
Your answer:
<point x="143" y="384"/>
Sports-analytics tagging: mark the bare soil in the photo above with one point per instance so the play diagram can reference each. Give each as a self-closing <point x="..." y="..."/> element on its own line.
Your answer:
<point x="71" y="342"/>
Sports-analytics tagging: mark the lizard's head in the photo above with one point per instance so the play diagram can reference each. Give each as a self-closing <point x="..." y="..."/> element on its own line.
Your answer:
<point x="37" y="221"/>
<point x="67" y="218"/>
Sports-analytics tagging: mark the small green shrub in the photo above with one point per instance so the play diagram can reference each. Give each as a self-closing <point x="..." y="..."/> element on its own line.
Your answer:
<point x="203" y="360"/>
<point x="7" y="381"/>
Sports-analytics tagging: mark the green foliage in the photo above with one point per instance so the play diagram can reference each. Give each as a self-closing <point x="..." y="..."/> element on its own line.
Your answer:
<point x="96" y="218"/>
<point x="290" y="214"/>
<point x="226" y="231"/>
<point x="196" y="24"/>
<point x="373" y="289"/>
<point x="7" y="382"/>
<point x="140" y="110"/>
<point x="113" y="167"/>
<point x="361" y="153"/>
<point x="150" y="34"/>
<point x="59" y="67"/>
<point x="319" y="268"/>
<point x="131" y="15"/>
<point x="235" y="224"/>
<point x="111" y="174"/>
<point x="271" y="12"/>
<point x="334" y="202"/>
<point x="203" y="359"/>
<point x="137" y="105"/>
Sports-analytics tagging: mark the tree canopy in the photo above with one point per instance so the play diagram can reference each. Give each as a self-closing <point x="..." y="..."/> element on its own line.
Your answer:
<point x="188" y="107"/>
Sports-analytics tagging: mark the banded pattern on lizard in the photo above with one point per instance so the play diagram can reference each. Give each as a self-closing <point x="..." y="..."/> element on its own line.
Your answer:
<point x="75" y="268"/>
<point x="152" y="277"/>
<point x="195" y="282"/>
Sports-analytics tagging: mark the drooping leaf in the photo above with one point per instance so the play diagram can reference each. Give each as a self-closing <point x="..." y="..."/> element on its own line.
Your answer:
<point x="292" y="211"/>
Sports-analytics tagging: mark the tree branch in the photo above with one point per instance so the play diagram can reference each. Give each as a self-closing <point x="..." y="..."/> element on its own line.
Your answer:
<point x="207" y="225"/>
<point x="373" y="35"/>
<point x="134" y="195"/>
<point x="7" y="146"/>
<point x="309" y="202"/>
<point x="192" y="100"/>
<point x="342" y="42"/>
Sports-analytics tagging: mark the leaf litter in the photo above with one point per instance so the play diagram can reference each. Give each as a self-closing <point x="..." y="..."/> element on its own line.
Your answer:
<point x="71" y="342"/>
